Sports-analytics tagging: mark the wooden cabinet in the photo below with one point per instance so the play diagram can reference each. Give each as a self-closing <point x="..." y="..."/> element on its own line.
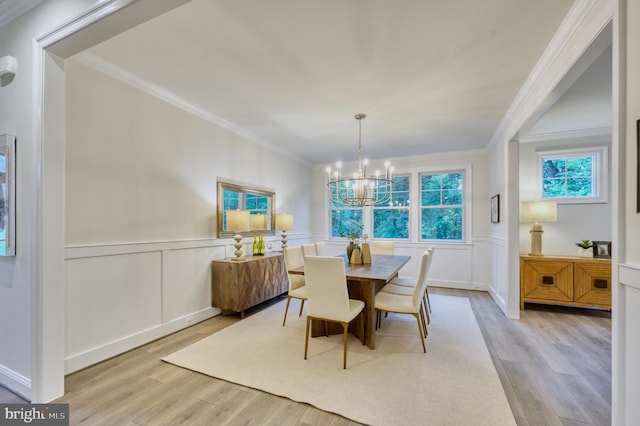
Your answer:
<point x="572" y="281"/>
<point x="238" y="285"/>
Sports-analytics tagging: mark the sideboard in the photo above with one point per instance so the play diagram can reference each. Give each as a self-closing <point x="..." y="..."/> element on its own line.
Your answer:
<point x="237" y="285"/>
<point x="572" y="281"/>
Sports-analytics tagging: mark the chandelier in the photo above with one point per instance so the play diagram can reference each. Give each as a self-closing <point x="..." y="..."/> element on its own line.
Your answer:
<point x="359" y="190"/>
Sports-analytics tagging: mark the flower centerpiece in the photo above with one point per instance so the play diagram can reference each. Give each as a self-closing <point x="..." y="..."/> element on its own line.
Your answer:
<point x="585" y="248"/>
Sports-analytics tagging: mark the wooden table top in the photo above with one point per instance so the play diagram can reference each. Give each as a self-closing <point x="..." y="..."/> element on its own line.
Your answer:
<point x="383" y="267"/>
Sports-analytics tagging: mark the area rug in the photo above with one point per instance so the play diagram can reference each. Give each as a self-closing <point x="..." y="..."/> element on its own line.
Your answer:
<point x="454" y="383"/>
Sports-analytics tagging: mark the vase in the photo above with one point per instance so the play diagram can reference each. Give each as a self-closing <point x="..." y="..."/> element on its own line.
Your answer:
<point x="350" y="248"/>
<point x="585" y="252"/>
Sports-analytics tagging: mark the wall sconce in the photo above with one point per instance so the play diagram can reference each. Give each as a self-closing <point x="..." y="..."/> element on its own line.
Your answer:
<point x="535" y="212"/>
<point x="284" y="223"/>
<point x="238" y="221"/>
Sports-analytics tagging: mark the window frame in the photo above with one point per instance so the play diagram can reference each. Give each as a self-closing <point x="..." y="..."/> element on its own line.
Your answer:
<point x="600" y="173"/>
<point x="414" y="206"/>
<point x="465" y="201"/>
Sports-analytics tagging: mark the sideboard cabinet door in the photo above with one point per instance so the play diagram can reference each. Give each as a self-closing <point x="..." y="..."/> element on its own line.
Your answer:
<point x="239" y="285"/>
<point x="572" y="281"/>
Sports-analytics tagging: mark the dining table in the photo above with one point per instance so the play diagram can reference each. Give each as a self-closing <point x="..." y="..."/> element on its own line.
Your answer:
<point x="364" y="280"/>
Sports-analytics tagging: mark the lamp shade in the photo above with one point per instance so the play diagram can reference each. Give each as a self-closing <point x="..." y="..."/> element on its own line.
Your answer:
<point x="538" y="211"/>
<point x="284" y="222"/>
<point x="258" y="222"/>
<point x="238" y="221"/>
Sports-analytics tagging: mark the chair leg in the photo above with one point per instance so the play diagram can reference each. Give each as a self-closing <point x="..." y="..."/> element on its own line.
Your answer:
<point x="306" y="338"/>
<point x="364" y="337"/>
<point x="425" y="302"/>
<point x="424" y="322"/>
<point x="426" y="292"/>
<point x="345" y="325"/>
<point x="301" y="306"/>
<point x="286" y="310"/>
<point x="424" y="348"/>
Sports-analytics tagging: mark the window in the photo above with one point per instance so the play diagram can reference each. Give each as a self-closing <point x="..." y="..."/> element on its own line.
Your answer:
<point x="345" y="220"/>
<point x="573" y="175"/>
<point x="441" y="206"/>
<point x="392" y="221"/>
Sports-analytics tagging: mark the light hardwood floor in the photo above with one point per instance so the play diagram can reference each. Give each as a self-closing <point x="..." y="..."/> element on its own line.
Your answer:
<point x="554" y="364"/>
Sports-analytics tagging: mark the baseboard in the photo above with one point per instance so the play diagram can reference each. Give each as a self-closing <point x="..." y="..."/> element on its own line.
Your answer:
<point x="498" y="300"/>
<point x="15" y="382"/>
<point x="459" y="285"/>
<point x="95" y="355"/>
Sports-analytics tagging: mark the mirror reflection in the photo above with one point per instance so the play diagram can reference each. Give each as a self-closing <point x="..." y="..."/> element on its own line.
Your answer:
<point x="259" y="202"/>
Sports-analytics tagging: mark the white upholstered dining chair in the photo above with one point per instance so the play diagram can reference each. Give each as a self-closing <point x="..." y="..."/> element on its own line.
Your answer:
<point x="309" y="250"/>
<point x="408" y="303"/>
<point x="293" y="258"/>
<point x="382" y="247"/>
<point x="321" y="248"/>
<point x="328" y="297"/>
<point x="406" y="285"/>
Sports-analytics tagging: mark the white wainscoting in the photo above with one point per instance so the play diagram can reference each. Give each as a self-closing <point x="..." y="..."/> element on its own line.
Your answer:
<point x="121" y="296"/>
<point x="456" y="265"/>
<point x="628" y="312"/>
<point x="498" y="279"/>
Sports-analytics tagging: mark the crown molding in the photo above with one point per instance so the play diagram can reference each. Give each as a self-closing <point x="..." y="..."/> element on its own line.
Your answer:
<point x="585" y="20"/>
<point x="596" y="132"/>
<point x="103" y="66"/>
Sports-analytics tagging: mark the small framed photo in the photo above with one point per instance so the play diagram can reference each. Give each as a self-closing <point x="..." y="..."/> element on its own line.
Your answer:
<point x="602" y="249"/>
<point x="495" y="208"/>
<point x="638" y="166"/>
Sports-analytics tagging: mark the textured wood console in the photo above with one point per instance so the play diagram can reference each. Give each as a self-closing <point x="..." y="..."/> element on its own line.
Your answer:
<point x="572" y="281"/>
<point x="238" y="285"/>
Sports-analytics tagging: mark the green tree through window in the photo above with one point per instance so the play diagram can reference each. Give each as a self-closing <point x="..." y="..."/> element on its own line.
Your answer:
<point x="441" y="197"/>
<point x="392" y="220"/>
<point x="568" y="177"/>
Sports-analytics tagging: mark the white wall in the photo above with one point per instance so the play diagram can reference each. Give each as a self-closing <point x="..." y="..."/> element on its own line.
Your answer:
<point x="626" y="328"/>
<point x="140" y="204"/>
<point x="576" y="222"/>
<point x="17" y="102"/>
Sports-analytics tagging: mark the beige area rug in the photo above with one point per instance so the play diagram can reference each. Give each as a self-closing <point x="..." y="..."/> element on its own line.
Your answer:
<point x="454" y="383"/>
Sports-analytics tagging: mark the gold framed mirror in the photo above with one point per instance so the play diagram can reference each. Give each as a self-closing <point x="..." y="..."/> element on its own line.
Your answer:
<point x="259" y="201"/>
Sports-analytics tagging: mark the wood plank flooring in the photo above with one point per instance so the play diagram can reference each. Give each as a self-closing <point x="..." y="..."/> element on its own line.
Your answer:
<point x="554" y="364"/>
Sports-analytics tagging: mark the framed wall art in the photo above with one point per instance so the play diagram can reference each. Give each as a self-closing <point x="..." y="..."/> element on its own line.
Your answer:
<point x="7" y="195"/>
<point x="495" y="208"/>
<point x="638" y="166"/>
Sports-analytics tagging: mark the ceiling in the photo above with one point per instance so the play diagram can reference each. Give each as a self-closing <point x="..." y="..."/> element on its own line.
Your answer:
<point x="432" y="76"/>
<point x="13" y="9"/>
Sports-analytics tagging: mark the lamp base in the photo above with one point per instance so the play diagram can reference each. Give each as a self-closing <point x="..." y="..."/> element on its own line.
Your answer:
<point x="536" y="240"/>
<point x="238" y="247"/>
<point x="284" y="239"/>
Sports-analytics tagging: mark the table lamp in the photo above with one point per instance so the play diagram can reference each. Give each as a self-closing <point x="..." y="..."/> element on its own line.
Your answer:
<point x="238" y="221"/>
<point x="284" y="223"/>
<point x="535" y="212"/>
<point x="258" y="222"/>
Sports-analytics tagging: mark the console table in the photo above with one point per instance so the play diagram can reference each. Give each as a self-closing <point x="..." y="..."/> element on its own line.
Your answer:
<point x="240" y="284"/>
<point x="571" y="281"/>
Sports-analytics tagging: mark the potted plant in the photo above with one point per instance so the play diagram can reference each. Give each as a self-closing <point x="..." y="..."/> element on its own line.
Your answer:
<point x="585" y="248"/>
